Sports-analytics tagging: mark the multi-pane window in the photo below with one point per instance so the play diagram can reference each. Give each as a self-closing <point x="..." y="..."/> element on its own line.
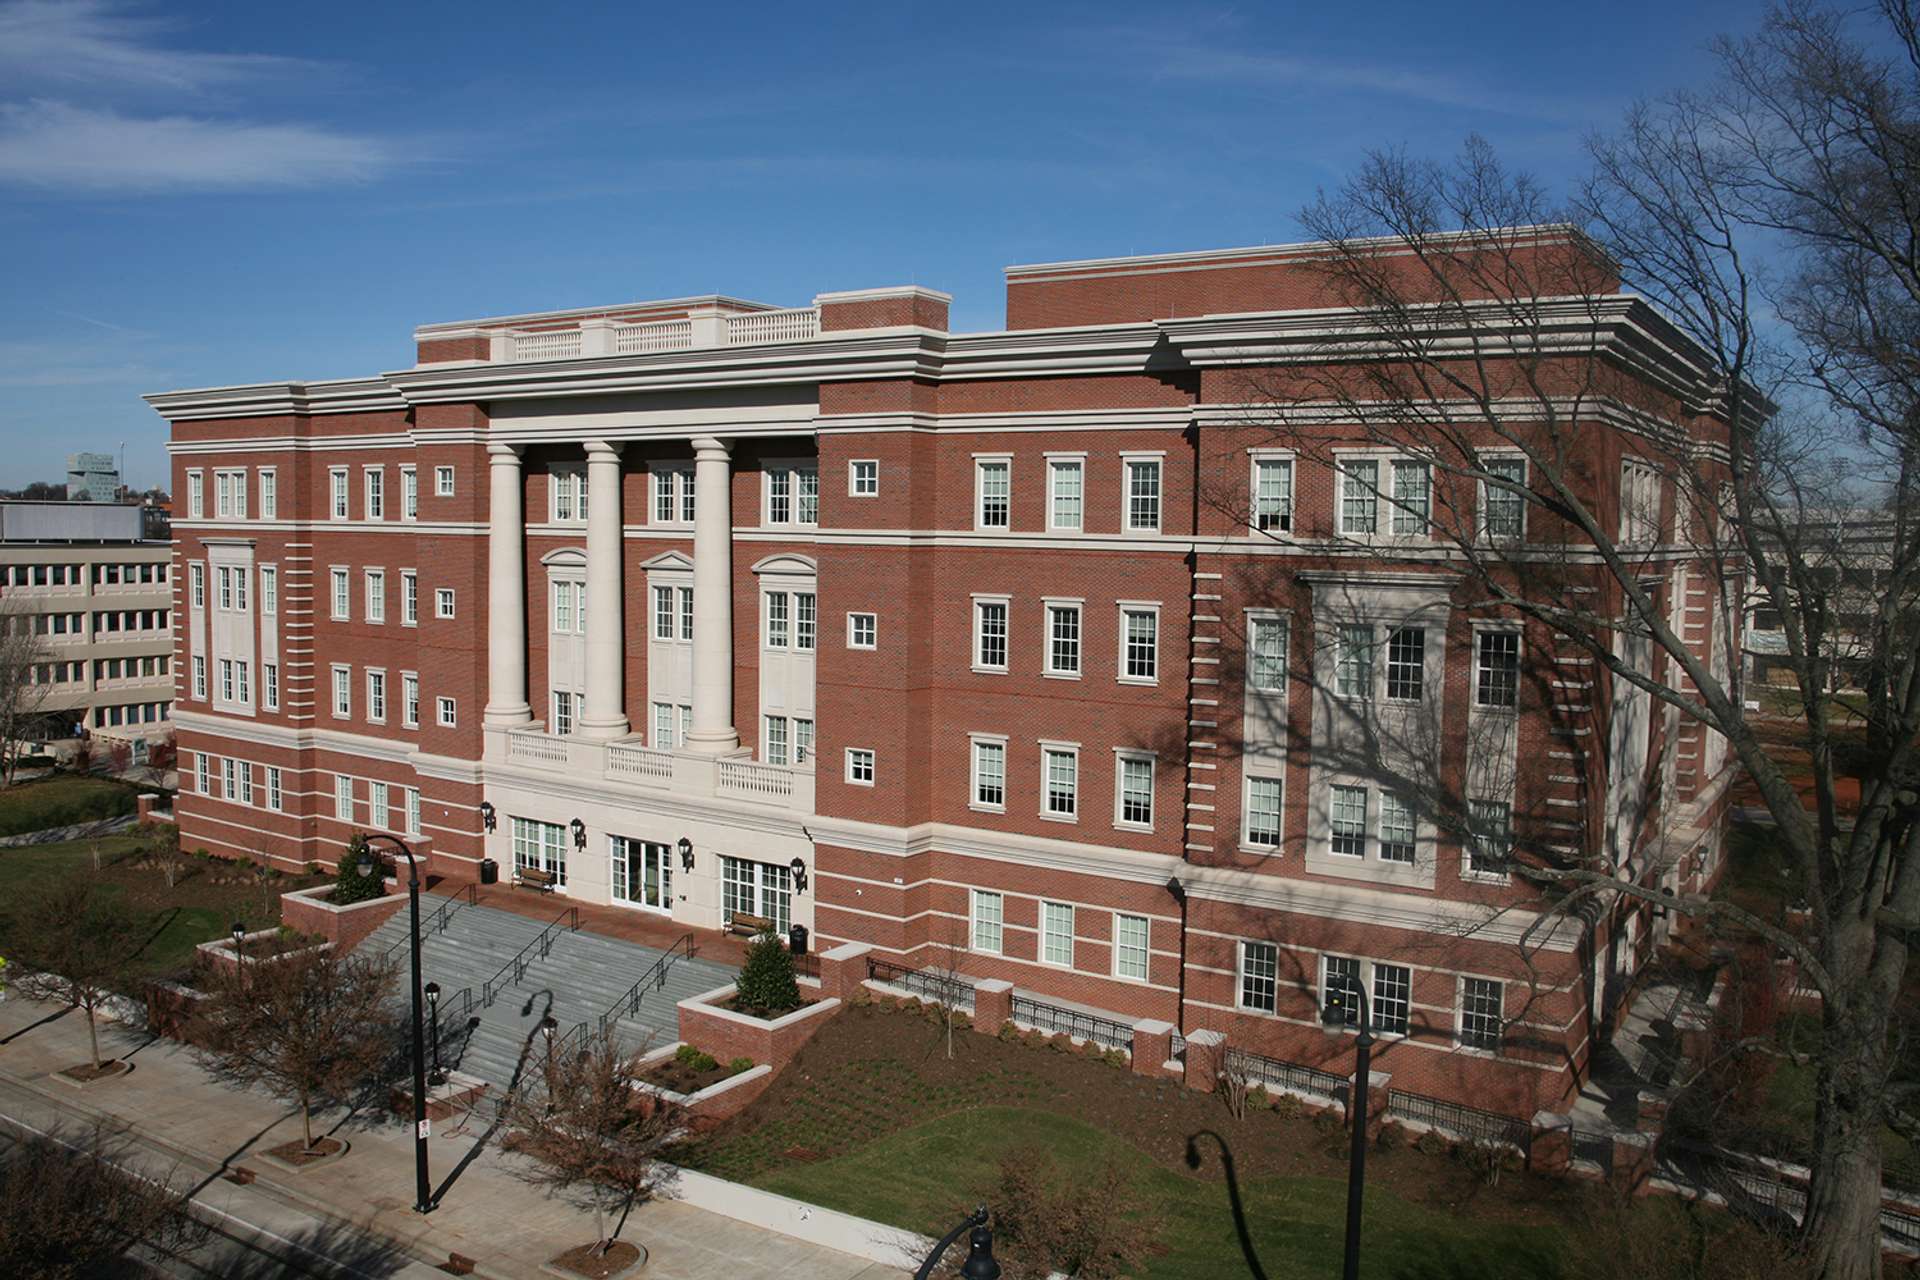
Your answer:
<point x="1140" y="640"/>
<point x="662" y="613"/>
<point x="1063" y="639"/>
<point x="1496" y="680"/>
<point x="1481" y="1019"/>
<point x="1392" y="998"/>
<point x="793" y="495"/>
<point x="1639" y="502"/>
<point x="337" y="492"/>
<point x="443" y="602"/>
<point x="1066" y="482"/>
<point x="443" y="482"/>
<point x="776" y="740"/>
<point x="270" y="685"/>
<point x="1504" y="509"/>
<point x="342" y="692"/>
<point x="673" y="495"/>
<point x="1341" y="975"/>
<point x="1143" y="495"/>
<point x="276" y="797"/>
<point x="269" y="497"/>
<point x="1135" y="785"/>
<point x="1273" y="494"/>
<point x="376" y="695"/>
<point x="245" y="692"/>
<point x="989" y="773"/>
<point x="1396" y="828"/>
<point x="564" y="708"/>
<point x="230" y="779"/>
<point x="663" y="723"/>
<point x="269" y="589"/>
<point x="1267" y="653"/>
<point x="409" y="597"/>
<point x="1347" y="814"/>
<point x="1412" y="497"/>
<point x="863" y="478"/>
<point x="1056" y="933"/>
<point x="446" y="709"/>
<point x="568" y="503"/>
<point x="1263" y="812"/>
<point x="376" y="493"/>
<point x="223" y="576"/>
<point x="226" y="679"/>
<point x="410" y="701"/>
<point x="1359" y="495"/>
<point x="412" y="797"/>
<point x="988" y="921"/>
<point x="686" y="613"/>
<point x="776" y="619"/>
<point x="409" y="494"/>
<point x="376" y="595"/>
<point x="343" y="797"/>
<point x="541" y="846"/>
<point x="1353" y="662"/>
<point x="990" y="634"/>
<point x="993" y="485"/>
<point x="860" y="766"/>
<point x="1406" y="663"/>
<point x="342" y="595"/>
<point x="203" y="771"/>
<point x="805" y="622"/>
<point x="862" y="630"/>
<point x="756" y="889"/>
<point x="196" y="495"/>
<point x="1489" y="837"/>
<point x="1130" y="947"/>
<point x="197" y="585"/>
<point x="377" y="805"/>
<point x="1259" y="976"/>
<point x="1061" y="791"/>
<point x="569" y="608"/>
<point x="802" y="740"/>
<point x="199" y="676"/>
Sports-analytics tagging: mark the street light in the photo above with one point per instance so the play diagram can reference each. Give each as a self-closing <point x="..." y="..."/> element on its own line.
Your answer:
<point x="239" y="956"/>
<point x="438" y="1077"/>
<point x="799" y="869"/>
<point x="980" y="1264"/>
<point x="686" y="854"/>
<point x="1347" y="1007"/>
<point x="423" y="1188"/>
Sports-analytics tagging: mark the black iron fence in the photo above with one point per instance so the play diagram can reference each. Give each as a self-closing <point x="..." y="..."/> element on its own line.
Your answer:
<point x="1287" y="1077"/>
<point x="1594" y="1147"/>
<point x="1077" y="1023"/>
<point x="1460" y="1120"/>
<point x="941" y="988"/>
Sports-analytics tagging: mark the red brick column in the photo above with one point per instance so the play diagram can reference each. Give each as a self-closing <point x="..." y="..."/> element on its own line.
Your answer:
<point x="1652" y="1115"/>
<point x="1551" y="1150"/>
<point x="1152" y="1047"/>
<point x="1205" y="1052"/>
<point x="992" y="1006"/>
<point x="843" y="970"/>
<point x="143" y="807"/>
<point x="1632" y="1162"/>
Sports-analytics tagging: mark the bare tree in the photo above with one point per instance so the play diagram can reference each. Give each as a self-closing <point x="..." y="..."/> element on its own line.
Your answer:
<point x="77" y="942"/>
<point x="311" y="1026"/>
<point x="1050" y="1222"/>
<point x="591" y="1135"/>
<point x="26" y="678"/>
<point x="1608" y="477"/>
<point x="78" y="1206"/>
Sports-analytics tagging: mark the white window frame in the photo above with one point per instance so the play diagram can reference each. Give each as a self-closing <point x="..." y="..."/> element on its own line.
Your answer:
<point x="376" y="588"/>
<point x="409" y="700"/>
<point x="197" y="584"/>
<point x="567" y="493"/>
<point x="196" y="494"/>
<point x="1398" y="512"/>
<point x="269" y="493"/>
<point x="1342" y="478"/>
<point x="857" y="757"/>
<point x="1258" y="620"/>
<point x="373" y="482"/>
<point x="792" y="474"/>
<point x="872" y="628"/>
<point x="409" y="492"/>
<point x="1128" y="461"/>
<point x="1048" y="750"/>
<point x="269" y="590"/>
<point x="1049" y="933"/>
<point x="987" y="936"/>
<point x="1460" y="1040"/>
<point x="1146" y="947"/>
<point x="200" y="677"/>
<point x="339" y="501"/>
<point x="1484" y="510"/>
<point x="979" y="633"/>
<point x="1121" y="757"/>
<point x="1471" y="840"/>
<point x="1056" y="464"/>
<point x="1052" y="607"/>
<point x="863" y="485"/>
<point x="1138" y="607"/>
<point x="409" y="598"/>
<point x="981" y="463"/>
<point x="342" y="797"/>
<point x="1270" y="457"/>
<point x="1247" y="843"/>
<point x="443" y="602"/>
<point x="342" y="688"/>
<point x="976" y="741"/>
<point x="276" y="792"/>
<point x="340" y="594"/>
<point x="1479" y="667"/>
<point x="443" y="482"/>
<point x="270" y="686"/>
<point x="376" y="695"/>
<point x="674" y="483"/>
<point x="1240" y="974"/>
<point x="446" y="713"/>
<point x="1387" y="664"/>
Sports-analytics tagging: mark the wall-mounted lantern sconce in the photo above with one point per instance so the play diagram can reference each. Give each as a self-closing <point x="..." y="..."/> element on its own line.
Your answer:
<point x="686" y="854"/>
<point x="488" y="818"/>
<point x="1177" y="890"/>
<point x="799" y="870"/>
<point x="579" y="835"/>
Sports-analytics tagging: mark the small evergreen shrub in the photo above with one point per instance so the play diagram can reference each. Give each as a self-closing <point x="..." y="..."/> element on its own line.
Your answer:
<point x="349" y="886"/>
<point x="695" y="1060"/>
<point x="737" y="1065"/>
<point x="766" y="985"/>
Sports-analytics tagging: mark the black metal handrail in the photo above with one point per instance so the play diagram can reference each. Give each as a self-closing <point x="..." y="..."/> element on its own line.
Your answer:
<point x="1293" y="1077"/>
<point x="1459" y="1119"/>
<point x="521" y="959"/>
<point x="938" y="987"/>
<point x="437" y="922"/>
<point x="656" y="975"/>
<point x="1075" y="1022"/>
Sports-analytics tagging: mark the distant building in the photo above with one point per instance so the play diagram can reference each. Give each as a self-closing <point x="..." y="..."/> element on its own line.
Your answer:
<point x="92" y="477"/>
<point x="84" y="579"/>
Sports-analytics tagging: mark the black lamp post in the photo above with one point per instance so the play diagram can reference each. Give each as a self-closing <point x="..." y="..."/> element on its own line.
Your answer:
<point x="799" y="869"/>
<point x="980" y="1264"/>
<point x="1347" y="1007"/>
<point x="438" y="1077"/>
<point x="423" y="1188"/>
<point x="686" y="854"/>
<point x="239" y="956"/>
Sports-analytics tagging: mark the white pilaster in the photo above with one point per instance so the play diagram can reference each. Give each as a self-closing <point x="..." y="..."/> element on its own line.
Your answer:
<point x="606" y="710"/>
<point x="506" y="591"/>
<point x="713" y="730"/>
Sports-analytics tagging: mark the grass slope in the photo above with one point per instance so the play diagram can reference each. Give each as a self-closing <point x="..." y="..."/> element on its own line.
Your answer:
<point x="60" y="801"/>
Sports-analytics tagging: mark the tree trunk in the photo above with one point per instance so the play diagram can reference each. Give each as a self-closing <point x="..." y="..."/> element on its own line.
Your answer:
<point x="1841" y="1231"/>
<point x="93" y="1034"/>
<point x="306" y="1120"/>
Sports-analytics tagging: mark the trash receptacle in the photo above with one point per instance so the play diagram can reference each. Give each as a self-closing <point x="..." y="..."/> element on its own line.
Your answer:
<point x="489" y="871"/>
<point x="797" y="939"/>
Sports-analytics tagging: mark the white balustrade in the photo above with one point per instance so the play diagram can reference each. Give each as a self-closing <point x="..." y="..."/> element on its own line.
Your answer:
<point x="646" y="764"/>
<point x="603" y="337"/>
<point x="536" y="748"/>
<point x="756" y="327"/>
<point x="632" y="764"/>
<point x="555" y="344"/>
<point x="753" y="781"/>
<point x="655" y="335"/>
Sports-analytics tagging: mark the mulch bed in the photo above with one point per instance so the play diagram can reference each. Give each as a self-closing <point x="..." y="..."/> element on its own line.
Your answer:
<point x="869" y="1072"/>
<point x="86" y="1073"/>
<point x="299" y="1155"/>
<point x="583" y="1261"/>
<point x="677" y="1076"/>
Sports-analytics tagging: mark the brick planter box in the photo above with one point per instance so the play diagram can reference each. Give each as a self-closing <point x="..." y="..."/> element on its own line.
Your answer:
<point x="718" y="1100"/>
<point x="706" y="1022"/>
<point x="219" y="953"/>
<point x="345" y="927"/>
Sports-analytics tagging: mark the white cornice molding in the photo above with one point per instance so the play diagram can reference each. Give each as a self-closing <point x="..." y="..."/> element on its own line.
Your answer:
<point x="493" y="324"/>
<point x="1381" y="246"/>
<point x="345" y="395"/>
<point x="881" y="294"/>
<point x="386" y="750"/>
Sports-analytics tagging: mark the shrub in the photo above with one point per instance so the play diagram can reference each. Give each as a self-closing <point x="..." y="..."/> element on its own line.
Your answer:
<point x="1117" y="1058"/>
<point x="1431" y="1143"/>
<point x="737" y="1065"/>
<point x="349" y="885"/>
<point x="695" y="1060"/>
<point x="766" y="985"/>
<point x="1008" y="1033"/>
<point x="862" y="997"/>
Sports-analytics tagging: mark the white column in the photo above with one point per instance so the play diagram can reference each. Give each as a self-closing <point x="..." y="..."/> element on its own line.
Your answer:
<point x="606" y="711"/>
<point x="506" y="592"/>
<point x="713" y="730"/>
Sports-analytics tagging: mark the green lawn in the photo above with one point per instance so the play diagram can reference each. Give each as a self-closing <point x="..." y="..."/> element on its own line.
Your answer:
<point x="918" y="1178"/>
<point x="60" y="801"/>
<point x="1788" y="1118"/>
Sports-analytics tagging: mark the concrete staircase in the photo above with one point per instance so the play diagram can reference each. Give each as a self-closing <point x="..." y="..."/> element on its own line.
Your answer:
<point x="579" y="978"/>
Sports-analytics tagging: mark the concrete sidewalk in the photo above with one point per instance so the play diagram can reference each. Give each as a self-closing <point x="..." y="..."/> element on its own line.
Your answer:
<point x="484" y="1212"/>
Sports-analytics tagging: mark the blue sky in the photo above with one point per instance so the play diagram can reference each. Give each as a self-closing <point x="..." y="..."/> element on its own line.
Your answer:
<point x="213" y="193"/>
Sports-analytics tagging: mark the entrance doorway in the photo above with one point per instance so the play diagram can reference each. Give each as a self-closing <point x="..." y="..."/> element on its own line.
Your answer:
<point x="642" y="873"/>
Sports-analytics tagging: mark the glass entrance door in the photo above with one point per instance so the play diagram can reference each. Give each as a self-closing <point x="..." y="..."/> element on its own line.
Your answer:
<point x="641" y="874"/>
<point x="541" y="846"/>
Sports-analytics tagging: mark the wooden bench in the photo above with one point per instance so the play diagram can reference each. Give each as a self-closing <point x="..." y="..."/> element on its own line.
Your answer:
<point x="533" y="878"/>
<point x="747" y="926"/>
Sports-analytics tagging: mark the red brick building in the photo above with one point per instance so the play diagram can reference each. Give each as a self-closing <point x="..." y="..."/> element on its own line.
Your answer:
<point x="1034" y="651"/>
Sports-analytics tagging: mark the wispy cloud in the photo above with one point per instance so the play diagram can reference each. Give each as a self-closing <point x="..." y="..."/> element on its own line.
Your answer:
<point x="94" y="42"/>
<point x="52" y="364"/>
<point x="57" y="145"/>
